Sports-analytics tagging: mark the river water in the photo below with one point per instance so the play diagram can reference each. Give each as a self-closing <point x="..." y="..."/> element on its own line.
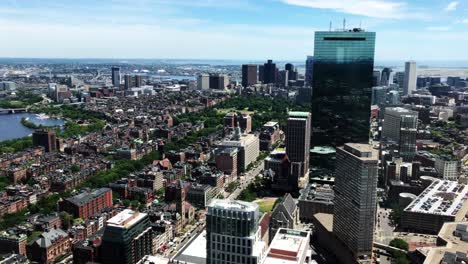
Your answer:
<point x="11" y="127"/>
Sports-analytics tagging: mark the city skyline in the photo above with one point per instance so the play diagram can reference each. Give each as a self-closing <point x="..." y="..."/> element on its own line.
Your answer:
<point x="227" y="29"/>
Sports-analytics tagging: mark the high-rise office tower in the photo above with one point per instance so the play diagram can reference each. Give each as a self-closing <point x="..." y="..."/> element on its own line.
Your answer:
<point x="127" y="238"/>
<point x="116" y="76"/>
<point x="218" y="81"/>
<point x="385" y="78"/>
<point x="261" y="72"/>
<point x="342" y="86"/>
<point x="401" y="126"/>
<point x="298" y="142"/>
<point x="233" y="233"/>
<point x="203" y="82"/>
<point x="292" y="72"/>
<point x="128" y="82"/>
<point x="356" y="197"/>
<point x="399" y="77"/>
<point x="282" y="78"/>
<point x="409" y="85"/>
<point x="249" y="74"/>
<point x="376" y="78"/>
<point x="138" y="80"/>
<point x="45" y="138"/>
<point x="309" y="71"/>
<point x="269" y="72"/>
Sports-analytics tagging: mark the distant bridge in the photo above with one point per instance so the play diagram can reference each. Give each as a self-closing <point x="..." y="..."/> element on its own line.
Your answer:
<point x="13" y="110"/>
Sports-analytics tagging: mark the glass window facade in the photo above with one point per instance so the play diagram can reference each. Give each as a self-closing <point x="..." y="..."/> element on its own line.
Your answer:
<point x="342" y="87"/>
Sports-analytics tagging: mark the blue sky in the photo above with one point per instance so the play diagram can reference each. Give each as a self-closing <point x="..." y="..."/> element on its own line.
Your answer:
<point x="227" y="29"/>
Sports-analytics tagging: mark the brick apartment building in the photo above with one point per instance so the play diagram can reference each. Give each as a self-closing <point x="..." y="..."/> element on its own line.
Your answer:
<point x="88" y="203"/>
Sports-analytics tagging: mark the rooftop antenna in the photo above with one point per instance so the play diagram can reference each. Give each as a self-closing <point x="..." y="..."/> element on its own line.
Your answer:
<point x="344" y="24"/>
<point x="330" y="26"/>
<point x="360" y="24"/>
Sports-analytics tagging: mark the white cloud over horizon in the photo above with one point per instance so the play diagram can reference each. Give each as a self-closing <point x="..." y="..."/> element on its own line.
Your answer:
<point x="452" y="6"/>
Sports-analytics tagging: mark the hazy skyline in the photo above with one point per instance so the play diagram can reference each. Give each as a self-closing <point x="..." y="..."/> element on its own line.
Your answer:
<point x="227" y="29"/>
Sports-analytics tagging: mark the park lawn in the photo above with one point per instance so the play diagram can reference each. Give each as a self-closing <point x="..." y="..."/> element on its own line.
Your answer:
<point x="266" y="205"/>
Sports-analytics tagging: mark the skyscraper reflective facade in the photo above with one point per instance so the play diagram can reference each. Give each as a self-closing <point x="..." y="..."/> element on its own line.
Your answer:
<point x="342" y="86"/>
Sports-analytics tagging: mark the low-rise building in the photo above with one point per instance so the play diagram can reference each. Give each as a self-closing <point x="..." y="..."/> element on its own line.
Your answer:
<point x="88" y="203"/>
<point x="12" y="242"/>
<point x="315" y="198"/>
<point x="443" y="201"/>
<point x="48" y="246"/>
<point x="289" y="246"/>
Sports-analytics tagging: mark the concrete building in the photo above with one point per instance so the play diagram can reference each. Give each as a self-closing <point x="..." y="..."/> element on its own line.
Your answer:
<point x="450" y="246"/>
<point x="127" y="238"/>
<point x="8" y="86"/>
<point x="315" y="198"/>
<point x="298" y="142"/>
<point x="355" y="198"/>
<point x="409" y="85"/>
<point x="269" y="72"/>
<point x="88" y="203"/>
<point x="284" y="215"/>
<point x="309" y="70"/>
<point x="248" y="147"/>
<point x="218" y="81"/>
<point x="233" y="234"/>
<point x="115" y="76"/>
<point x="289" y="246"/>
<point x="443" y="201"/>
<point x="401" y="126"/>
<point x="448" y="169"/>
<point x="45" y="138"/>
<point x="249" y="74"/>
<point x="203" y="82"/>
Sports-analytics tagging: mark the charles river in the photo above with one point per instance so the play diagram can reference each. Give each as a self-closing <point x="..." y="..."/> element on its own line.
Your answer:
<point x="11" y="127"/>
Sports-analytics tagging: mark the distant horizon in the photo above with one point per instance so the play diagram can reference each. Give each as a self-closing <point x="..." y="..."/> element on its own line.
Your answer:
<point x="223" y="61"/>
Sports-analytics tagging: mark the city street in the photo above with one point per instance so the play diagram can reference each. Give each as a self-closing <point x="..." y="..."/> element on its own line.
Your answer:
<point x="245" y="180"/>
<point x="384" y="230"/>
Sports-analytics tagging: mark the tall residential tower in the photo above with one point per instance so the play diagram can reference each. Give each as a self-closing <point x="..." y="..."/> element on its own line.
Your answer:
<point x="356" y="198"/>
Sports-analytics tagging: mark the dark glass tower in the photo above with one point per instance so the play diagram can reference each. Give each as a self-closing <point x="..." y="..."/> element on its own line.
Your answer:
<point x="342" y="86"/>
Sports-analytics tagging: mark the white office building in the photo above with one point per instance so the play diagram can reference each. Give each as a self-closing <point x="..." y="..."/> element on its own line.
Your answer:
<point x="233" y="234"/>
<point x="409" y="84"/>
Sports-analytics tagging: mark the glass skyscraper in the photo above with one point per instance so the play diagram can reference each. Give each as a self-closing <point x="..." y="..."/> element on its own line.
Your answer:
<point x="342" y="86"/>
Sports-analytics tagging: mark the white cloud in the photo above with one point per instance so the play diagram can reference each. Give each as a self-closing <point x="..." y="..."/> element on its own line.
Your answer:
<point x="369" y="8"/>
<point x="438" y="28"/>
<point x="451" y="6"/>
<point x="465" y="21"/>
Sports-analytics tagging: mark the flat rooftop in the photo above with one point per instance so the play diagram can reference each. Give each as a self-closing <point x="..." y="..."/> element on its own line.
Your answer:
<point x="195" y="252"/>
<point x="318" y="193"/>
<point x="287" y="247"/>
<point x="125" y="219"/>
<point x="454" y="244"/>
<point x="326" y="220"/>
<point x="233" y="205"/>
<point x="442" y="197"/>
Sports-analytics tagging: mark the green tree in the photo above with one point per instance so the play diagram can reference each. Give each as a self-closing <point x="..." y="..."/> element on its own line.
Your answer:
<point x="399" y="243"/>
<point x="66" y="219"/>
<point x="396" y="213"/>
